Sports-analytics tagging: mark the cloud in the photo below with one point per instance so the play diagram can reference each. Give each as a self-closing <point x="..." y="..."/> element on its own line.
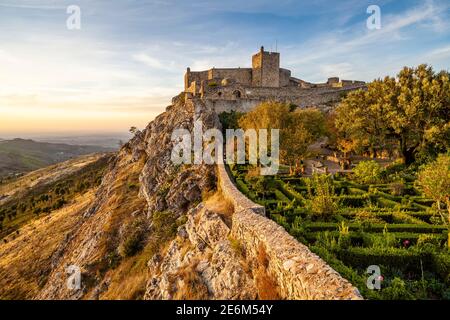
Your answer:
<point x="344" y="70"/>
<point x="363" y="47"/>
<point x="32" y="6"/>
<point x="154" y="63"/>
<point x="115" y="65"/>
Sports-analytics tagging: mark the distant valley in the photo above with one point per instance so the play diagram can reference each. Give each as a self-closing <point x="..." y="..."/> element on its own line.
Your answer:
<point x="24" y="155"/>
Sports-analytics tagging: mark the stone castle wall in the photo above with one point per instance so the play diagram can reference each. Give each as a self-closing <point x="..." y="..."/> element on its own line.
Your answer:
<point x="285" y="77"/>
<point x="241" y="75"/>
<point x="225" y="99"/>
<point x="299" y="273"/>
<point x="265" y="74"/>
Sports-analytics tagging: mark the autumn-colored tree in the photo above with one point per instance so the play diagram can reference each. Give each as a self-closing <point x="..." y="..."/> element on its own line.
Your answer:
<point x="298" y="128"/>
<point x="434" y="179"/>
<point x="331" y="130"/>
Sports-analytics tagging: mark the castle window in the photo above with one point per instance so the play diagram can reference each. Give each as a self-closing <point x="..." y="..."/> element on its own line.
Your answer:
<point x="237" y="94"/>
<point x="219" y="93"/>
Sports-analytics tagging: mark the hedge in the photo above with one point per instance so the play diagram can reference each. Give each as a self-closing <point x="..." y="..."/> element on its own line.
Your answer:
<point x="386" y="203"/>
<point x="417" y="228"/>
<point x="405" y="260"/>
<point x="244" y="189"/>
<point x="385" y="216"/>
<point x="389" y="196"/>
<point x="347" y="272"/>
<point x="280" y="196"/>
<point x="423" y="201"/>
<point x="290" y="192"/>
<point x="424" y="216"/>
<point x="441" y="264"/>
<point x="357" y="201"/>
<point x="355" y="191"/>
<point x="357" y="237"/>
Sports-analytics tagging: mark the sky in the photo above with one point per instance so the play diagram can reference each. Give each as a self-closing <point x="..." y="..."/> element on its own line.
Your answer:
<point x="128" y="59"/>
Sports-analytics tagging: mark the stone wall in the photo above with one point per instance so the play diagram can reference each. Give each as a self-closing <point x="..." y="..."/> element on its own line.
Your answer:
<point x="191" y="76"/>
<point x="240" y="75"/>
<point x="285" y="77"/>
<point x="231" y="193"/>
<point x="299" y="273"/>
<point x="222" y="98"/>
<point x="242" y="105"/>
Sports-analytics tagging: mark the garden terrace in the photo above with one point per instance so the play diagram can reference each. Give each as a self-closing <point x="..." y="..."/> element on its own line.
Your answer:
<point x="397" y="229"/>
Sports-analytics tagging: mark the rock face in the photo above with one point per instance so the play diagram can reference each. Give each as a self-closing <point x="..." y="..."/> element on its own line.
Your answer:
<point x="200" y="263"/>
<point x="141" y="181"/>
<point x="165" y="185"/>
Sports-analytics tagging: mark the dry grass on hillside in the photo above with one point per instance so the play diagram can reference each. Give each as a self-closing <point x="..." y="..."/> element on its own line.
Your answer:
<point x="47" y="174"/>
<point x="191" y="286"/>
<point x="266" y="284"/>
<point x="127" y="275"/>
<point x="223" y="207"/>
<point x="25" y="261"/>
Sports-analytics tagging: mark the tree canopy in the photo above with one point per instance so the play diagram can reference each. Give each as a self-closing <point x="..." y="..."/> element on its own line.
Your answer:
<point x="410" y="113"/>
<point x="298" y="127"/>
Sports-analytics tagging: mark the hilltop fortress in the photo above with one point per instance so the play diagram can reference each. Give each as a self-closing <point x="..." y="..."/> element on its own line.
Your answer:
<point x="241" y="89"/>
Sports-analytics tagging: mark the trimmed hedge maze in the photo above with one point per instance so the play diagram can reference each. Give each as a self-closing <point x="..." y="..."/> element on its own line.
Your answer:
<point x="369" y="225"/>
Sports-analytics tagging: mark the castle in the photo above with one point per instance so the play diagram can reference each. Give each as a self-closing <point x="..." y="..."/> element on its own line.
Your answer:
<point x="241" y="89"/>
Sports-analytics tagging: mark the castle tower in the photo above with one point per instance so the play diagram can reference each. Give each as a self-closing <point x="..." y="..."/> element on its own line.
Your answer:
<point x="266" y="69"/>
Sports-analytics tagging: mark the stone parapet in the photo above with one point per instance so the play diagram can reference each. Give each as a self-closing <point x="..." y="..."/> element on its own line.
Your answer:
<point x="232" y="194"/>
<point x="299" y="273"/>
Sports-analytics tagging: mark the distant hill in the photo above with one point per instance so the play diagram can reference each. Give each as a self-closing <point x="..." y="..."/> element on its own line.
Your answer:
<point x="21" y="155"/>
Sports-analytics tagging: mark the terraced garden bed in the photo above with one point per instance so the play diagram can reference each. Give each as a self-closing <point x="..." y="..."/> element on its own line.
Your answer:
<point x="368" y="225"/>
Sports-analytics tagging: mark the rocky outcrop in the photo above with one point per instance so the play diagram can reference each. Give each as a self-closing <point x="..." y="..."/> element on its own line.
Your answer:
<point x="200" y="263"/>
<point x="141" y="179"/>
<point x="165" y="185"/>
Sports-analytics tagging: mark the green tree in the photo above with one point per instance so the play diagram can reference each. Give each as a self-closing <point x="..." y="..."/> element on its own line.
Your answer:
<point x="420" y="110"/>
<point x="434" y="179"/>
<point x="230" y="119"/>
<point x="412" y="110"/>
<point x="133" y="130"/>
<point x="360" y="120"/>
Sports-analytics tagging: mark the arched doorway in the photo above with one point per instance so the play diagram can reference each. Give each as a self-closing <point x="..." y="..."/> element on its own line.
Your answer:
<point x="237" y="94"/>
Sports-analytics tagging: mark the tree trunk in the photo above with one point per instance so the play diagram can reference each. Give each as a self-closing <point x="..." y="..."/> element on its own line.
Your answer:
<point x="374" y="152"/>
<point x="448" y="226"/>
<point x="407" y="153"/>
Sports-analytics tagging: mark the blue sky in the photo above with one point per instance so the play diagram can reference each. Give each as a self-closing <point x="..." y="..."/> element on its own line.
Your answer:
<point x="128" y="59"/>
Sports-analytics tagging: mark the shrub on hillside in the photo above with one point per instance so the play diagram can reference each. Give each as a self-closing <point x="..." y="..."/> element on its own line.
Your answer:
<point x="133" y="238"/>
